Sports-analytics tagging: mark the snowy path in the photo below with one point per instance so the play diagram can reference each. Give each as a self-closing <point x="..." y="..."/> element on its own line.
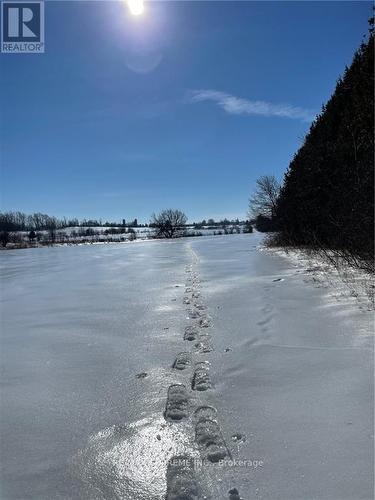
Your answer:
<point x="117" y="358"/>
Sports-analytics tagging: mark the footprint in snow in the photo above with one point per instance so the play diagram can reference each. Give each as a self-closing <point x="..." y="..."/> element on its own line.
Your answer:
<point x="182" y="361"/>
<point x="181" y="479"/>
<point x="177" y="403"/>
<point x="238" y="438"/>
<point x="234" y="495"/>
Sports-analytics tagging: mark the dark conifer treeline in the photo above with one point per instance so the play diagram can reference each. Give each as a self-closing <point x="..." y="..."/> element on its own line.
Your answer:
<point x="326" y="200"/>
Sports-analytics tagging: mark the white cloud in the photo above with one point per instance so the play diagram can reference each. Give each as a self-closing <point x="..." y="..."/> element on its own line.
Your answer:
<point x="239" y="106"/>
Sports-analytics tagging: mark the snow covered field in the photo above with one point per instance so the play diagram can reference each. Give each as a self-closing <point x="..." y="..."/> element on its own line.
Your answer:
<point x="275" y="379"/>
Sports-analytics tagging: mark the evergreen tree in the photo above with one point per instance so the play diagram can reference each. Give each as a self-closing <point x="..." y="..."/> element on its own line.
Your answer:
<point x="326" y="200"/>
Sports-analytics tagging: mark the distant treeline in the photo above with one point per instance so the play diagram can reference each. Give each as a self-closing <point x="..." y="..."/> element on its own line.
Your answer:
<point x="19" y="221"/>
<point x="21" y="230"/>
<point x="212" y="224"/>
<point x="327" y="200"/>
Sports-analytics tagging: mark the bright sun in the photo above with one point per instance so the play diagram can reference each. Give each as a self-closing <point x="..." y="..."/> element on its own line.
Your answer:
<point x="136" y="7"/>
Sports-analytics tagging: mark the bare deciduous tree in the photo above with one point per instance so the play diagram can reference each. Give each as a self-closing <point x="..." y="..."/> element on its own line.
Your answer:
<point x="264" y="199"/>
<point x="168" y="223"/>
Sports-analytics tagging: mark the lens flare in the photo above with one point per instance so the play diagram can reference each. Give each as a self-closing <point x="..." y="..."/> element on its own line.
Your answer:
<point x="136" y="7"/>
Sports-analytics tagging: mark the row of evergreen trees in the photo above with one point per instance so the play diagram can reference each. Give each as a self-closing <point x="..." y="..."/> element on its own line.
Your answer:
<point x="327" y="199"/>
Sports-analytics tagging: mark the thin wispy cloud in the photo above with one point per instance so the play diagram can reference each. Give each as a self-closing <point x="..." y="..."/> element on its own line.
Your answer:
<point x="238" y="106"/>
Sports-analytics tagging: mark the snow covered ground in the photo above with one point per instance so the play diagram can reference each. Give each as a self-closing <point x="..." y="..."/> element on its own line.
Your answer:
<point x="100" y="390"/>
<point x="342" y="281"/>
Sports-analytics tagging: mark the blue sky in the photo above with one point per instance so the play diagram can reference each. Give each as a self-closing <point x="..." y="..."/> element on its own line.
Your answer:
<point x="184" y="106"/>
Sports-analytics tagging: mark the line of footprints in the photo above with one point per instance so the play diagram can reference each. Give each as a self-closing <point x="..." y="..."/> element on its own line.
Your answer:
<point x="181" y="480"/>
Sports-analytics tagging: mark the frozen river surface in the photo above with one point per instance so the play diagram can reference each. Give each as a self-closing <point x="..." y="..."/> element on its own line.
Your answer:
<point x="89" y="336"/>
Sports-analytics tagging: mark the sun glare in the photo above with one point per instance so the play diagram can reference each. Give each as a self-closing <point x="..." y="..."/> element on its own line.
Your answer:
<point x="136" y="7"/>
